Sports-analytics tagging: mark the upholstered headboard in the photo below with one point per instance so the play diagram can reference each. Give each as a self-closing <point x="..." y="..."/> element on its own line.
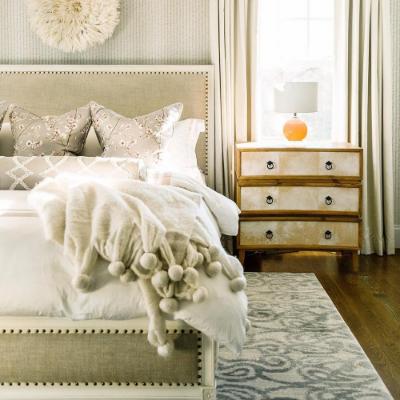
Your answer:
<point x="128" y="90"/>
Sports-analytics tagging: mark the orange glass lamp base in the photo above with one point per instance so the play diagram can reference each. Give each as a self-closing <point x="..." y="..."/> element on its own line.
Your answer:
<point x="295" y="129"/>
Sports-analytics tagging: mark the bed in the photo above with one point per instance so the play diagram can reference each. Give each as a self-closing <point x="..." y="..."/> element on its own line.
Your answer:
<point x="52" y="357"/>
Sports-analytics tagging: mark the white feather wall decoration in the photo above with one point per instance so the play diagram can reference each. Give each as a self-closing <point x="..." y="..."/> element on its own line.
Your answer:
<point x="73" y="25"/>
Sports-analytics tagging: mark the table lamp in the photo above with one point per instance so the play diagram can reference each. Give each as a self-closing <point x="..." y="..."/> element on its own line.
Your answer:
<point x="296" y="97"/>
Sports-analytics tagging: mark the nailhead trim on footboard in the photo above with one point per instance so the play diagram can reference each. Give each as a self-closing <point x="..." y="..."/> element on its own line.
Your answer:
<point x="38" y="333"/>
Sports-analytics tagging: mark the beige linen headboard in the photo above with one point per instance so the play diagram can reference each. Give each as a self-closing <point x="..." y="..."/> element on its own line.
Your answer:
<point x="130" y="90"/>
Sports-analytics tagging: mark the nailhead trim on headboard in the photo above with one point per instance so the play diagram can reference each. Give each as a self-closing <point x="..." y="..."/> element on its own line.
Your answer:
<point x="205" y="73"/>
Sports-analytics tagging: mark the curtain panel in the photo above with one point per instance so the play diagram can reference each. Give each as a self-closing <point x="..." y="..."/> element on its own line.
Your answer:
<point x="363" y="110"/>
<point x="233" y="46"/>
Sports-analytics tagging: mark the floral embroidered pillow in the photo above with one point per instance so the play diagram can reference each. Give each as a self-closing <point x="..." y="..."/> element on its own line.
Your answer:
<point x="142" y="137"/>
<point x="50" y="135"/>
<point x="3" y="111"/>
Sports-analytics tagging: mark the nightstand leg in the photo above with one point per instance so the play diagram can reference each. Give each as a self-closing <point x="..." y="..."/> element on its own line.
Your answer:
<point x="242" y="255"/>
<point x="355" y="261"/>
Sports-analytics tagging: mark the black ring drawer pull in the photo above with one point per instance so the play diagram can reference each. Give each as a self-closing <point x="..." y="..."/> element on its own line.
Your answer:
<point x="269" y="199"/>
<point x="328" y="235"/>
<point x="270" y="165"/>
<point x="329" y="165"/>
<point x="269" y="235"/>
<point x="328" y="200"/>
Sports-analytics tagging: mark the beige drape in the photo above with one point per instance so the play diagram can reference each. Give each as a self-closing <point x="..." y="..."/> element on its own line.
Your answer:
<point x="363" y="109"/>
<point x="233" y="27"/>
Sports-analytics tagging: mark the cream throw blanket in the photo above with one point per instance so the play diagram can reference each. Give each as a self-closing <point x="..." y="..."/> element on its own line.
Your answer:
<point x="148" y="232"/>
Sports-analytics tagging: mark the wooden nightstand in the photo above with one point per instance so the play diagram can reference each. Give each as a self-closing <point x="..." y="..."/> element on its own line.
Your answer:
<point x="299" y="197"/>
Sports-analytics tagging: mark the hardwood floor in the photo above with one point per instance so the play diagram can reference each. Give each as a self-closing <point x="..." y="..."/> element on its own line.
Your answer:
<point x="368" y="301"/>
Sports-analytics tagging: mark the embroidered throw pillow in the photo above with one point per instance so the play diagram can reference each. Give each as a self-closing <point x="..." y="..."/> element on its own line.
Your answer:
<point x="24" y="173"/>
<point x="3" y="111"/>
<point x="142" y="137"/>
<point x="50" y="135"/>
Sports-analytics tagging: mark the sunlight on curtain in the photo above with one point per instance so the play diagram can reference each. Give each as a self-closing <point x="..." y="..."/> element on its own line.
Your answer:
<point x="363" y="104"/>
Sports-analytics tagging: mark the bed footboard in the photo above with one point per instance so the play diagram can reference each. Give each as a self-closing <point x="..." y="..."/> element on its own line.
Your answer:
<point x="44" y="358"/>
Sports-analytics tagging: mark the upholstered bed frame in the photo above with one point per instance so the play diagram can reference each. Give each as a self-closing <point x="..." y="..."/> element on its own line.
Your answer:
<point x="50" y="358"/>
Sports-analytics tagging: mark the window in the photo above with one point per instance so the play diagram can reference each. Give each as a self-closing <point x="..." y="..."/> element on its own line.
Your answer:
<point x="295" y="43"/>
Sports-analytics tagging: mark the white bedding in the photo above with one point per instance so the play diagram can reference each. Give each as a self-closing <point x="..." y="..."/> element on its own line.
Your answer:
<point x="35" y="280"/>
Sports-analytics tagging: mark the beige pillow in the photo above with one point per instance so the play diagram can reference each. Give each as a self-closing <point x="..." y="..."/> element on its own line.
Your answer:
<point x="24" y="173"/>
<point x="50" y="135"/>
<point x="142" y="137"/>
<point x="3" y="111"/>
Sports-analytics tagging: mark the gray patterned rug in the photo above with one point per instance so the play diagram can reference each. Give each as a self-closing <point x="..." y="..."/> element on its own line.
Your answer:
<point x="299" y="347"/>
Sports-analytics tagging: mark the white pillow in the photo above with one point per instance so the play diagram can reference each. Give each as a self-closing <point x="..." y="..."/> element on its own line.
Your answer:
<point x="180" y="150"/>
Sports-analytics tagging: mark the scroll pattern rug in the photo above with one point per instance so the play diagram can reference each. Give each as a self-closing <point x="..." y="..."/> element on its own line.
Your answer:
<point x="299" y="347"/>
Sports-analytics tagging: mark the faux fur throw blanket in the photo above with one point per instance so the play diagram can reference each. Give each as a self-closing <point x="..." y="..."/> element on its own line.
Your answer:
<point x="147" y="232"/>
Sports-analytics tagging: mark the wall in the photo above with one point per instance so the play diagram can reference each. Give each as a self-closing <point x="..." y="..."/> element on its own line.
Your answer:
<point x="150" y="32"/>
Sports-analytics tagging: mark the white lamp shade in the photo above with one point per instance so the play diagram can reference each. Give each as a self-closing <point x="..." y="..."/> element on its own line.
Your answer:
<point x="296" y="97"/>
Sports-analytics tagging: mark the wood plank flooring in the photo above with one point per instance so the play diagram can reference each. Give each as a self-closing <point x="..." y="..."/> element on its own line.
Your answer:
<point x="368" y="301"/>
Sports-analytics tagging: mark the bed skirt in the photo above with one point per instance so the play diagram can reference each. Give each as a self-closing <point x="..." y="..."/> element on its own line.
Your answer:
<point x="49" y="358"/>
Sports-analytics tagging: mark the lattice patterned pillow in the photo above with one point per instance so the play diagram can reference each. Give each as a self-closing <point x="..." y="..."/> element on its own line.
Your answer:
<point x="50" y="135"/>
<point x="142" y="137"/>
<point x="23" y="173"/>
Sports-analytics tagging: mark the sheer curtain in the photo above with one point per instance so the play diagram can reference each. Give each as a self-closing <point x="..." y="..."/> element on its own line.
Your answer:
<point x="233" y="31"/>
<point x="363" y="109"/>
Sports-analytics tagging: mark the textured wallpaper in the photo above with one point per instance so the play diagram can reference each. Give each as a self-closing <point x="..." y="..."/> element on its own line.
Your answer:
<point x="150" y="32"/>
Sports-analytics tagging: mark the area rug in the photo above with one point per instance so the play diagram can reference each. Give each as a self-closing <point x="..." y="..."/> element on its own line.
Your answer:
<point x="299" y="347"/>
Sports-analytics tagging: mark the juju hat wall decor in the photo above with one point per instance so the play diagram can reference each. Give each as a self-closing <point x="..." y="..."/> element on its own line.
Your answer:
<point x="73" y="25"/>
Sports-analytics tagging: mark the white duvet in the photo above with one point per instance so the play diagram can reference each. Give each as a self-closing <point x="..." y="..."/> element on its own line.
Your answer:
<point x="35" y="279"/>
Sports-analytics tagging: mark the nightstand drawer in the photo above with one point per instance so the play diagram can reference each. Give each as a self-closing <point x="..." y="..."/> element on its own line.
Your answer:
<point x="299" y="163"/>
<point x="299" y="234"/>
<point x="299" y="198"/>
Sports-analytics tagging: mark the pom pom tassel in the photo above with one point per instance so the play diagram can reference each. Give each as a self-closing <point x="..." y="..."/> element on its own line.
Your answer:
<point x="166" y="349"/>
<point x="169" y="305"/>
<point x="213" y="269"/>
<point x="191" y="276"/>
<point x="237" y="284"/>
<point x="128" y="276"/>
<point x="149" y="261"/>
<point x="160" y="279"/>
<point x="175" y="273"/>
<point x="82" y="282"/>
<point x="116" y="268"/>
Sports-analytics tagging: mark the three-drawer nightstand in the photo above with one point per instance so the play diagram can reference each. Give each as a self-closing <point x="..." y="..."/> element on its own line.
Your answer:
<point x="299" y="197"/>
